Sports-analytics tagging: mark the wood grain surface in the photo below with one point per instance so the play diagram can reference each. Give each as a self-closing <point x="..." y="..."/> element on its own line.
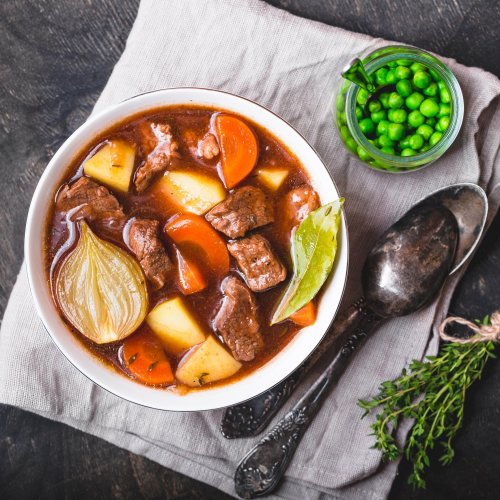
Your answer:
<point x="55" y="58"/>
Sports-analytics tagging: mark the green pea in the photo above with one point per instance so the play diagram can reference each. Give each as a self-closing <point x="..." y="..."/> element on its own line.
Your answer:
<point x="374" y="106"/>
<point x="414" y="100"/>
<point x="388" y="150"/>
<point x="340" y="103"/>
<point x="344" y="132"/>
<point x="416" y="141"/>
<point x="425" y="148"/>
<point x="431" y="90"/>
<point x="367" y="126"/>
<point x="391" y="77"/>
<point x="444" y="110"/>
<point x="398" y="115"/>
<point x="435" y="138"/>
<point x="407" y="152"/>
<point x="403" y="87"/>
<point x="421" y="79"/>
<point x="425" y="131"/>
<point x="434" y="75"/>
<point x="402" y="73"/>
<point x="395" y="131"/>
<point x="385" y="141"/>
<point x="380" y="75"/>
<point x="351" y="144"/>
<point x="416" y="67"/>
<point x="359" y="112"/>
<point x="362" y="97"/>
<point x="392" y="64"/>
<point x="342" y="117"/>
<point x="363" y="155"/>
<point x="382" y="127"/>
<point x="444" y="95"/>
<point x="431" y="122"/>
<point x="429" y="108"/>
<point x="384" y="99"/>
<point x="395" y="100"/>
<point x="404" y="142"/>
<point x="415" y="119"/>
<point x="403" y="62"/>
<point x="441" y="85"/>
<point x="443" y="123"/>
<point x="378" y="116"/>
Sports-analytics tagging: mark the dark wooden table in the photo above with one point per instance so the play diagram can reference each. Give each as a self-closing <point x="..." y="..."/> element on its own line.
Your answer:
<point x="55" y="58"/>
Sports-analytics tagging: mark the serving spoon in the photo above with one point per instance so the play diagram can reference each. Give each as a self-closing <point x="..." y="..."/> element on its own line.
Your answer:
<point x="402" y="273"/>
<point x="468" y="203"/>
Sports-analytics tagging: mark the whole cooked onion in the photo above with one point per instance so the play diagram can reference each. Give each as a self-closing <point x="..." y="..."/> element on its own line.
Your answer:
<point x="101" y="289"/>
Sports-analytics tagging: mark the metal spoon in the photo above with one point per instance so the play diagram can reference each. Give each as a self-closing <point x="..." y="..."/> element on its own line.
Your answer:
<point x="402" y="273"/>
<point x="468" y="203"/>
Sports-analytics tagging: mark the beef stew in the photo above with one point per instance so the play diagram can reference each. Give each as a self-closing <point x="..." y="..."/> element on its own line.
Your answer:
<point x="205" y="201"/>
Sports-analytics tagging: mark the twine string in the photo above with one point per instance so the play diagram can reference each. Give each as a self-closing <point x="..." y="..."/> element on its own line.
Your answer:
<point x="482" y="333"/>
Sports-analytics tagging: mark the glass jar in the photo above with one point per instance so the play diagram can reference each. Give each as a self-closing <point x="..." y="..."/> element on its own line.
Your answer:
<point x="348" y="112"/>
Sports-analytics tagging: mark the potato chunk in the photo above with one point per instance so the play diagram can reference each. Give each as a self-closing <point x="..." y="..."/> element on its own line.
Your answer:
<point x="112" y="165"/>
<point x="192" y="191"/>
<point x="208" y="362"/>
<point x="175" y="326"/>
<point x="272" y="178"/>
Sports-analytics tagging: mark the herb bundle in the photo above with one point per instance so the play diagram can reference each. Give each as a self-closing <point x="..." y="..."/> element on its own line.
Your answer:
<point x="433" y="394"/>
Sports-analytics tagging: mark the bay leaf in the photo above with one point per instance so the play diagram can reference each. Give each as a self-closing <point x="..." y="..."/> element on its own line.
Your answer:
<point x="314" y="246"/>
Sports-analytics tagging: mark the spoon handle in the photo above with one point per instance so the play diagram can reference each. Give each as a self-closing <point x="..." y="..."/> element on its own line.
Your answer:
<point x="250" y="418"/>
<point x="262" y="468"/>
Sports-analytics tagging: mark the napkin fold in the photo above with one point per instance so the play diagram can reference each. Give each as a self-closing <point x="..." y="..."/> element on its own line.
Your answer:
<point x="292" y="66"/>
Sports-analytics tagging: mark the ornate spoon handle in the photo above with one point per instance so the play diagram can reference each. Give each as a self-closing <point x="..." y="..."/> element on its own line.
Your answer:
<point x="262" y="468"/>
<point x="250" y="418"/>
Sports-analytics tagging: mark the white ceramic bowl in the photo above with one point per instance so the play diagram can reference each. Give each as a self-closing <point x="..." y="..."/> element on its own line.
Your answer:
<point x="258" y="381"/>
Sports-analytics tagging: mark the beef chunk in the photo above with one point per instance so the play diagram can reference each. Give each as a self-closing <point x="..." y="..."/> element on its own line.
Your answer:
<point x="159" y="158"/>
<point x="145" y="243"/>
<point x="96" y="200"/>
<point x="237" y="320"/>
<point x="256" y="259"/>
<point x="208" y="147"/>
<point x="300" y="202"/>
<point x="245" y="209"/>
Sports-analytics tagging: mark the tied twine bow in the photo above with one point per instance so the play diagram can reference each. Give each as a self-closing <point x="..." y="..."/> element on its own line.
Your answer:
<point x="482" y="333"/>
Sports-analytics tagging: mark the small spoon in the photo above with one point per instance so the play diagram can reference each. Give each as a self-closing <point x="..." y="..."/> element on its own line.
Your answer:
<point x="355" y="72"/>
<point x="469" y="205"/>
<point x="403" y="272"/>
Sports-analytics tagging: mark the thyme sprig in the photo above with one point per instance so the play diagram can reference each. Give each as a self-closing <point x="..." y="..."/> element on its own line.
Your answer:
<point x="431" y="392"/>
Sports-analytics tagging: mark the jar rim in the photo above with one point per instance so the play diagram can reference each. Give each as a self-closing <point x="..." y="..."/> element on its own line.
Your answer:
<point x="381" y="57"/>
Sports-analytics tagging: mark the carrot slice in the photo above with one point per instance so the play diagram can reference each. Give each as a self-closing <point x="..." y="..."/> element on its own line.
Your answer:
<point x="191" y="279"/>
<point x="190" y="230"/>
<point x="143" y="356"/>
<point x="239" y="149"/>
<point x="305" y="316"/>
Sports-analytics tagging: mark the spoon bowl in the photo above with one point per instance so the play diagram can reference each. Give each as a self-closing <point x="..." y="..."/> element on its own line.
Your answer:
<point x="469" y="204"/>
<point x="410" y="261"/>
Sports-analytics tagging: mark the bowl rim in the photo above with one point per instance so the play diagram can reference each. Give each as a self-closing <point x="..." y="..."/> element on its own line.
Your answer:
<point x="89" y="127"/>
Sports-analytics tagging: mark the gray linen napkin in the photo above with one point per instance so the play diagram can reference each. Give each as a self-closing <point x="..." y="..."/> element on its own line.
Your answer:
<point x="290" y="65"/>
